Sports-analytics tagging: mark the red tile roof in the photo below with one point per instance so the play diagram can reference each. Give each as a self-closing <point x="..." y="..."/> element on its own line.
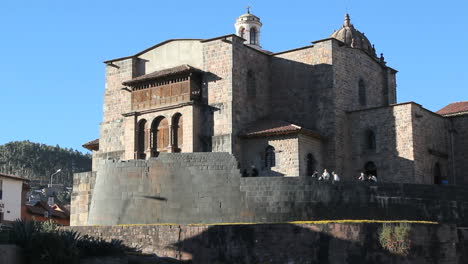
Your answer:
<point x="92" y="145"/>
<point x="40" y="207"/>
<point x="268" y="127"/>
<point x="454" y="109"/>
<point x="181" y="69"/>
<point x="14" y="177"/>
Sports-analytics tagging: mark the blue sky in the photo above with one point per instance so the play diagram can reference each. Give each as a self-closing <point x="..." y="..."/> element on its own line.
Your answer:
<point x="52" y="51"/>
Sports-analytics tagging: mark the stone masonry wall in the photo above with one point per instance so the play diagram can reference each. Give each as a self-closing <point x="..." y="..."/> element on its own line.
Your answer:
<point x="283" y="199"/>
<point x="251" y="88"/>
<point x="350" y="66"/>
<point x="217" y="91"/>
<point x="303" y="91"/>
<point x="188" y="188"/>
<point x="83" y="185"/>
<point x="394" y="151"/>
<point x="172" y="188"/>
<point x="431" y="145"/>
<point x="286" y="155"/>
<point x="309" y="145"/>
<point x="459" y="141"/>
<point x="283" y="243"/>
<point x="116" y="102"/>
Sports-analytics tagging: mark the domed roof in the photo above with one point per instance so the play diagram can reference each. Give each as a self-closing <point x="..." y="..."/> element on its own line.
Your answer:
<point x="248" y="17"/>
<point x="353" y="37"/>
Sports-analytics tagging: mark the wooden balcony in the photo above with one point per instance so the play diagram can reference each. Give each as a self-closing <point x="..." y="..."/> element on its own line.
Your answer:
<point x="165" y="93"/>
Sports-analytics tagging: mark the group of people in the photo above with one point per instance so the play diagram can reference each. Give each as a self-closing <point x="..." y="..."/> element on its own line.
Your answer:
<point x="334" y="177"/>
<point x="326" y="176"/>
<point x="370" y="177"/>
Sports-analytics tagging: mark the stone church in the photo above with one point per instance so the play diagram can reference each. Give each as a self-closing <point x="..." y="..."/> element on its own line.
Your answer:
<point x="184" y="120"/>
<point x="328" y="105"/>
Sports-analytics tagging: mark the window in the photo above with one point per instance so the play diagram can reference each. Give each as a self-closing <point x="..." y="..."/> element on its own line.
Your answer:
<point x="270" y="160"/>
<point x="437" y="174"/>
<point x="1" y="189"/>
<point x="251" y="84"/>
<point x="253" y="36"/>
<point x="362" y="93"/>
<point x="242" y="32"/>
<point x="141" y="139"/>
<point x="310" y="164"/>
<point x="177" y="132"/>
<point x="370" y="140"/>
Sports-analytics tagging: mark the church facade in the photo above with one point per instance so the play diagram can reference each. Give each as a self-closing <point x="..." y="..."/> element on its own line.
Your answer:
<point x="329" y="105"/>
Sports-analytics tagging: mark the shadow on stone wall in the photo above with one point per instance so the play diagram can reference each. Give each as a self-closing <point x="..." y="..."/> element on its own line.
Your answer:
<point x="288" y="243"/>
<point x="285" y="243"/>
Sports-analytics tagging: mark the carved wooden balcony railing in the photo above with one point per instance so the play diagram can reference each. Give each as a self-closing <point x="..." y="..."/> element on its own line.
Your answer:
<point x="159" y="90"/>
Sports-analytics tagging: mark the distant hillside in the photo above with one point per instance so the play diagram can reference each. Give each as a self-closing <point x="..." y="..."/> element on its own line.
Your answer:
<point x="38" y="161"/>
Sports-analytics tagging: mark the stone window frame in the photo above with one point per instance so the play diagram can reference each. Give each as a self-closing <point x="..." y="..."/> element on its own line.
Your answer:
<point x="310" y="159"/>
<point x="362" y="92"/>
<point x="177" y="132"/>
<point x="253" y="36"/>
<point x="437" y="177"/>
<point x="370" y="140"/>
<point x="154" y="133"/>
<point x="242" y="32"/>
<point x="141" y="138"/>
<point x="251" y="83"/>
<point x="270" y="157"/>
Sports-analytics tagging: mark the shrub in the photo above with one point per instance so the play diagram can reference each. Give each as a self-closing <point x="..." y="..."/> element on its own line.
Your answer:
<point x="4" y="235"/>
<point x="44" y="243"/>
<point x="396" y="238"/>
<point x="53" y="248"/>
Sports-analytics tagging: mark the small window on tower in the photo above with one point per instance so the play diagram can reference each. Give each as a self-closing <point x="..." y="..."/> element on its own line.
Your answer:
<point x="242" y="33"/>
<point x="253" y="36"/>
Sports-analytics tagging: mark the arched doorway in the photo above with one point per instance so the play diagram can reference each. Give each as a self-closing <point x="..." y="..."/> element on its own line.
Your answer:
<point x="142" y="141"/>
<point x="310" y="162"/>
<point x="437" y="174"/>
<point x="370" y="169"/>
<point x="177" y="132"/>
<point x="159" y="135"/>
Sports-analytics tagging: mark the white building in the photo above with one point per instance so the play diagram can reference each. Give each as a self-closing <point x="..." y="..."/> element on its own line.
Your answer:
<point x="11" y="193"/>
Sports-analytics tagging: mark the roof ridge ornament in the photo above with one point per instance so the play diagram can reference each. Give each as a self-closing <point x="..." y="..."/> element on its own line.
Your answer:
<point x="347" y="21"/>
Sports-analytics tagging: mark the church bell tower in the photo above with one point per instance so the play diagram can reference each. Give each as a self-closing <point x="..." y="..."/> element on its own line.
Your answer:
<point x="248" y="27"/>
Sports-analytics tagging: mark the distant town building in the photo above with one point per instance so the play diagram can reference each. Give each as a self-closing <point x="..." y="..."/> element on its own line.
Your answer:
<point x="41" y="211"/>
<point x="12" y="196"/>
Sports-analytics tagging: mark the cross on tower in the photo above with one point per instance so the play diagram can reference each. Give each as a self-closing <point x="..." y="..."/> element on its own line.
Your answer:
<point x="248" y="9"/>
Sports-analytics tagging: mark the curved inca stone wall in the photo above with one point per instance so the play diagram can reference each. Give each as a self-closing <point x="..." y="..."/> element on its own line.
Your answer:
<point x="172" y="188"/>
<point x="189" y="188"/>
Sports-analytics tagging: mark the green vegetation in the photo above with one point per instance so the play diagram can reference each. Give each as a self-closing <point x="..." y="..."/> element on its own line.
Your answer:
<point x="45" y="243"/>
<point x="38" y="161"/>
<point x="396" y="238"/>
